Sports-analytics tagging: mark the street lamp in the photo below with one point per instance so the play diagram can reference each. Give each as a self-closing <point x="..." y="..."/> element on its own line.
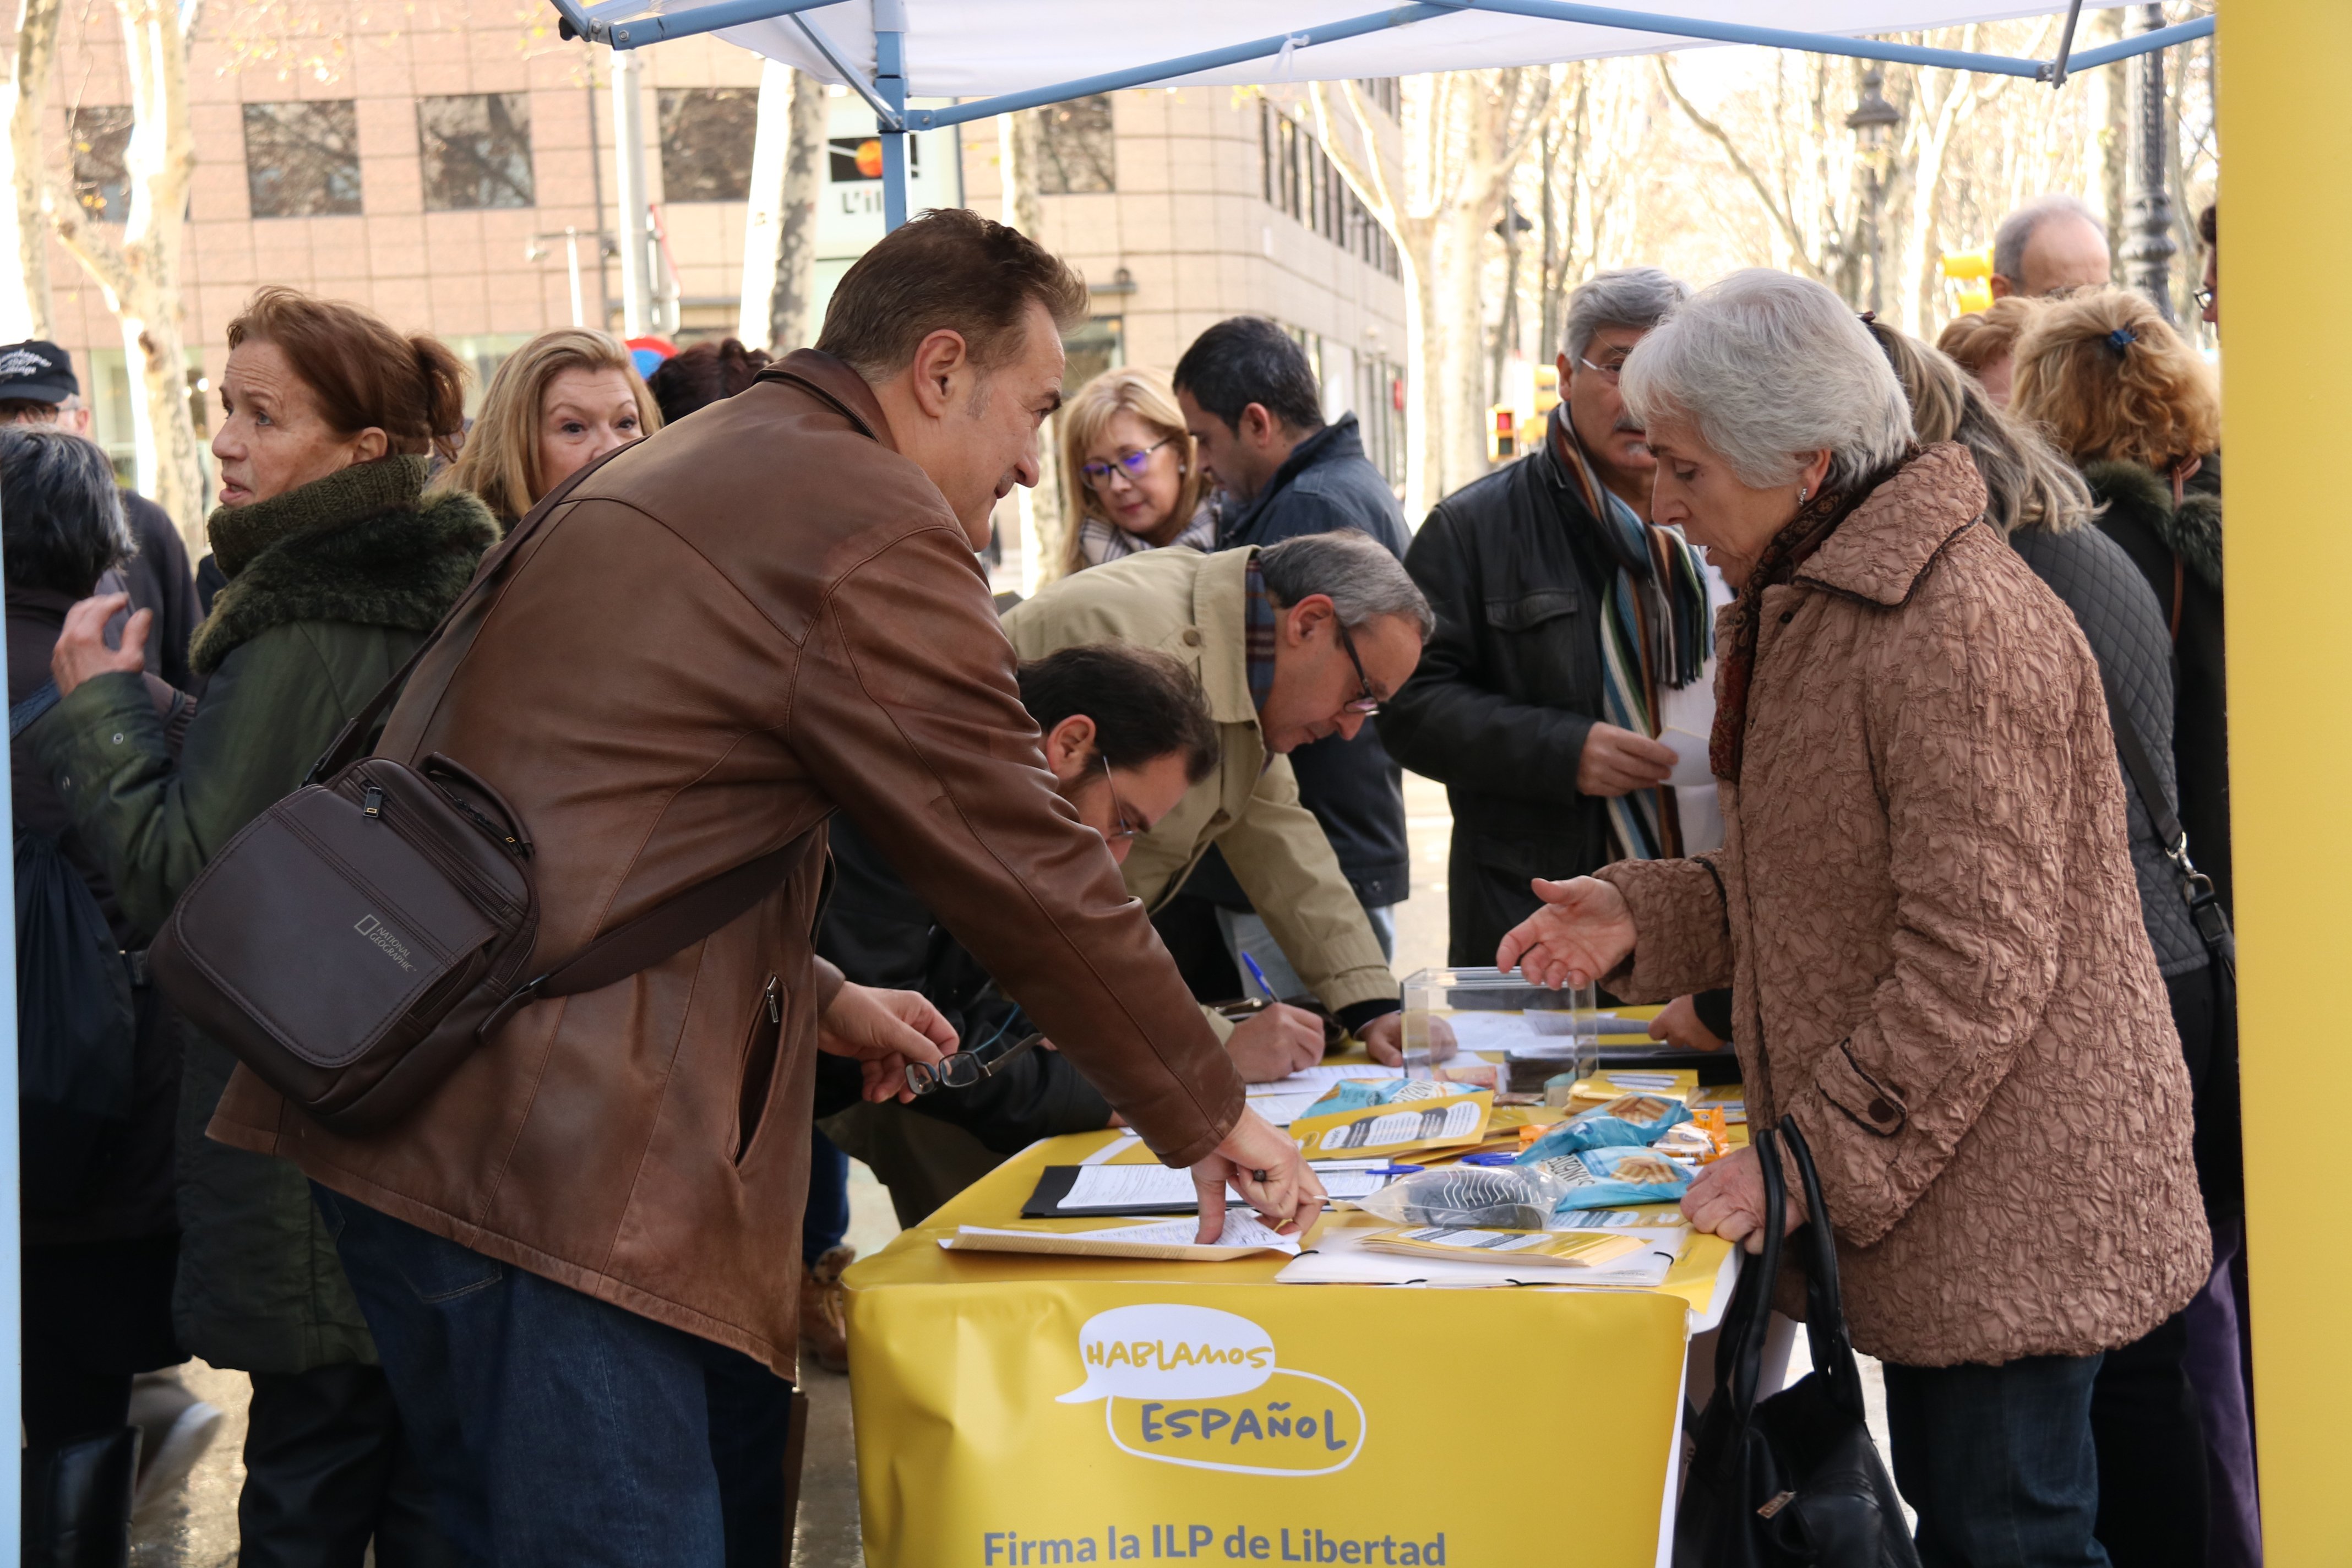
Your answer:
<point x="1873" y="122"/>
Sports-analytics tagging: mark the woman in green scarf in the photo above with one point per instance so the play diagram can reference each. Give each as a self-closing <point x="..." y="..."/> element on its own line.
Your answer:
<point x="336" y="570"/>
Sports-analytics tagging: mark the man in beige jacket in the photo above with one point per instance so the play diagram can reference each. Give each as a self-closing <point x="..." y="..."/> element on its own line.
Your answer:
<point x="1290" y="643"/>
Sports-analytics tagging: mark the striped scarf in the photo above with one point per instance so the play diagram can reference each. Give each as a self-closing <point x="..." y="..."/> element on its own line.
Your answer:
<point x="1654" y="634"/>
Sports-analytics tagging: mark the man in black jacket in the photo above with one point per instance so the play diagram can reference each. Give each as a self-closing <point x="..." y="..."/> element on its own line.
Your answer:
<point x="1515" y="707"/>
<point x="1126" y="734"/>
<point x="1250" y="400"/>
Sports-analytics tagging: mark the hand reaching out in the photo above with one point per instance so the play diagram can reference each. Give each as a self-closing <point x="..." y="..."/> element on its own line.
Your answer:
<point x="1585" y="931"/>
<point x="1263" y="1163"/>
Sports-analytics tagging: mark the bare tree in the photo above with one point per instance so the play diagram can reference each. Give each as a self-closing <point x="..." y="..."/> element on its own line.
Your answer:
<point x="24" y="229"/>
<point x="139" y="272"/>
<point x="780" y="229"/>
<point x="1465" y="134"/>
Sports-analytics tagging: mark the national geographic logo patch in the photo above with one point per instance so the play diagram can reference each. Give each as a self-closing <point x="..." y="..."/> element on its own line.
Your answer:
<point x="377" y="932"/>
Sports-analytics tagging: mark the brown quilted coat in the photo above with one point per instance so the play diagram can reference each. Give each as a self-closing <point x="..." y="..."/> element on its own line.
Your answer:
<point x="1925" y="907"/>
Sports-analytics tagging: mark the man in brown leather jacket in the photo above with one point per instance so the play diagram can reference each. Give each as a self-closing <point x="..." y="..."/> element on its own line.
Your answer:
<point x="574" y="1254"/>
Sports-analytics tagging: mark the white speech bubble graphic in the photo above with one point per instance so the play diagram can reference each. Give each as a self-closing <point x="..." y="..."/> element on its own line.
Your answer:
<point x="1161" y="1351"/>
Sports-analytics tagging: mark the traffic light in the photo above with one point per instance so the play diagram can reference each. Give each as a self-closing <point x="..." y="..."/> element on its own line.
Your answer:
<point x="1971" y="270"/>
<point x="1502" y="434"/>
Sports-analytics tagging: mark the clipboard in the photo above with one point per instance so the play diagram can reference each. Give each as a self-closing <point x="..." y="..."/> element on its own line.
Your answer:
<point x="1049" y="1199"/>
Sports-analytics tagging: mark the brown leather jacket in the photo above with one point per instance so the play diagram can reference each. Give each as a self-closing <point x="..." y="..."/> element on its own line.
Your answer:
<point x="756" y="617"/>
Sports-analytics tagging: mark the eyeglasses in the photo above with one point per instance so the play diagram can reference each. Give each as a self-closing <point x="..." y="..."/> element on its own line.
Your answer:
<point x="1132" y="464"/>
<point x="2204" y="298"/>
<point x="967" y="1067"/>
<point x="1608" y="373"/>
<point x="1367" y="703"/>
<point x="1118" y="812"/>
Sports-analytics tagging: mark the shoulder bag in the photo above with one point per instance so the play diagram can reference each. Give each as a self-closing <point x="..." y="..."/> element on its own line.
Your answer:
<point x="1794" y="1478"/>
<point x="357" y="940"/>
<point x="2205" y="911"/>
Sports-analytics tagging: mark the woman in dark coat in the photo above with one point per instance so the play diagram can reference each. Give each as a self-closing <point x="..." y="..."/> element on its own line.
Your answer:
<point x="101" y="1237"/>
<point x="336" y="568"/>
<point x="2117" y="390"/>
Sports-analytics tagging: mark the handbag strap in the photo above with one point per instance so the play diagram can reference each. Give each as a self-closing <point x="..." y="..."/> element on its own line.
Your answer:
<point x="1739" y="1349"/>
<point x="653" y="936"/>
<point x="21" y="716"/>
<point x="2205" y="911"/>
<point x="1825" y="1329"/>
<point x="353" y="738"/>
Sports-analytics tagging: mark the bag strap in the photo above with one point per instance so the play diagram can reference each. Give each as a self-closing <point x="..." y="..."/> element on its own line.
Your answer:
<point x="22" y="716"/>
<point x="2205" y="911"/>
<point x="1825" y="1329"/>
<point x="352" y="739"/>
<point x="664" y="929"/>
<point x="1739" y="1349"/>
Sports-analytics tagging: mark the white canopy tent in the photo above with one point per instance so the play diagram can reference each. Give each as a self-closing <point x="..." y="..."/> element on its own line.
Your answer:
<point x="1003" y="55"/>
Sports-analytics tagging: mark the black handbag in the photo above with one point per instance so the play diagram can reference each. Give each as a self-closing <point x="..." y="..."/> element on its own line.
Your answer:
<point x="1795" y="1479"/>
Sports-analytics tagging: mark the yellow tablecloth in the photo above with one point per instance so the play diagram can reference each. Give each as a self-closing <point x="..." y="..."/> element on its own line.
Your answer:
<point x="1016" y="1410"/>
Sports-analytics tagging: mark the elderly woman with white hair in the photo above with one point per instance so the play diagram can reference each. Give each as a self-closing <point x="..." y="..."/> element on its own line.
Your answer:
<point x="1925" y="909"/>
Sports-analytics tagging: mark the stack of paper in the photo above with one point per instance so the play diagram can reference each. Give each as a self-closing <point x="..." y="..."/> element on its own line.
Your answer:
<point x="1167" y="1240"/>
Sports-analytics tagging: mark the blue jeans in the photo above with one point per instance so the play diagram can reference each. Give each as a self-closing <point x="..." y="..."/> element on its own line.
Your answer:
<point x="1998" y="1461"/>
<point x="559" y="1429"/>
<point x="826" y="1221"/>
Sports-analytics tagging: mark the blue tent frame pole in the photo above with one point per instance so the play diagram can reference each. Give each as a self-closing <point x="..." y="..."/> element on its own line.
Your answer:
<point x="891" y="81"/>
<point x="890" y="27"/>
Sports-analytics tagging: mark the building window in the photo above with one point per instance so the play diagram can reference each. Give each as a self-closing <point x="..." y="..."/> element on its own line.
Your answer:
<point x="100" y="138"/>
<point x="302" y="160"/>
<point x="477" y="151"/>
<point x="706" y="143"/>
<point x="1301" y="179"/>
<point x="1079" y="151"/>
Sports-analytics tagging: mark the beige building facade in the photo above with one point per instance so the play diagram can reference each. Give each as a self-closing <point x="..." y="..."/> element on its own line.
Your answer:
<point x="442" y="162"/>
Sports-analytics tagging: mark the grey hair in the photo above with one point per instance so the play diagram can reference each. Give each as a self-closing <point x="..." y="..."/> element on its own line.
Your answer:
<point x="1351" y="568"/>
<point x="1769" y="367"/>
<point x="2017" y="230"/>
<point x="2027" y="484"/>
<point x="62" y="521"/>
<point x="1636" y="297"/>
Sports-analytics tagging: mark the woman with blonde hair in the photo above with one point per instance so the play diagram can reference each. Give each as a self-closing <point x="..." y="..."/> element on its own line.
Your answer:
<point x="553" y="406"/>
<point x="1984" y="342"/>
<point x="1130" y="475"/>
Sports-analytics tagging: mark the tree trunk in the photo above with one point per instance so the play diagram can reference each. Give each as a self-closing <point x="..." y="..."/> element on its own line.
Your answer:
<point x="1044" y="538"/>
<point x="780" y="229"/>
<point x="24" y="231"/>
<point x="140" y="273"/>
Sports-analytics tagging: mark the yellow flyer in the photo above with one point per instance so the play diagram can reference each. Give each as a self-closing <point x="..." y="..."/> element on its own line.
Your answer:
<point x="1441" y="1118"/>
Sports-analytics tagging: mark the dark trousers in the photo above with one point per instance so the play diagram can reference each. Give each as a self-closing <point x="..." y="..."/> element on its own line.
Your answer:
<point x="328" y="1470"/>
<point x="1998" y="1461"/>
<point x="2151" y="1447"/>
<point x="826" y="1221"/>
<point x="559" y="1429"/>
<point x="2218" y="1370"/>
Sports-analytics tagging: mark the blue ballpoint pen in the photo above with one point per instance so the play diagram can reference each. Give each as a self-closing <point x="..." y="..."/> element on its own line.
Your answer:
<point x="1259" y="976"/>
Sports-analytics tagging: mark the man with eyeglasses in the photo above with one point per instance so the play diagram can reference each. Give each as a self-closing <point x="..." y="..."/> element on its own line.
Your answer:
<point x="1290" y="645"/>
<point x="1572" y="636"/>
<point x="1125" y="734"/>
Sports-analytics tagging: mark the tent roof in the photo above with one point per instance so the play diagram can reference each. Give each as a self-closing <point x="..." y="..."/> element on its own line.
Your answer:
<point x="984" y="48"/>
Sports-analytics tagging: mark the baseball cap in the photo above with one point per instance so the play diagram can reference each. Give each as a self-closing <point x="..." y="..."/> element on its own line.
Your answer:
<point x="38" y="372"/>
